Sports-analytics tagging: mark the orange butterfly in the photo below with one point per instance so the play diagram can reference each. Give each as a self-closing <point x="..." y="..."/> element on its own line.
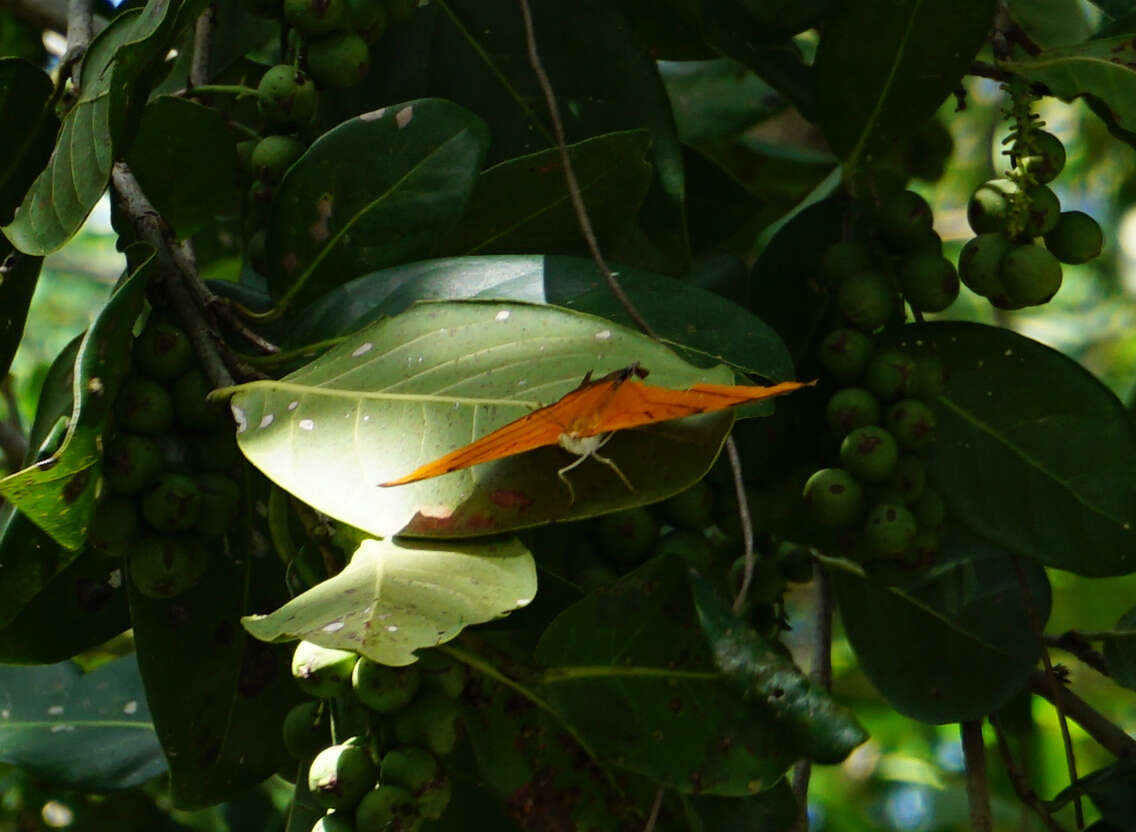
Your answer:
<point x="585" y="419"/>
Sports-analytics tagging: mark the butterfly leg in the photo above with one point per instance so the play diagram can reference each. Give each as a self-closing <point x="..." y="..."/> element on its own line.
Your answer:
<point x="611" y="464"/>
<point x="563" y="474"/>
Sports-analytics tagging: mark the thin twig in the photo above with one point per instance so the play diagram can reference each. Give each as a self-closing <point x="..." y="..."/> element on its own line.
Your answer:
<point x="80" y="30"/>
<point x="570" y="176"/>
<point x="977" y="782"/>
<point x="821" y="675"/>
<point x="1109" y="735"/>
<point x="653" y="817"/>
<point x="747" y="521"/>
<point x="202" y="46"/>
<point x="1075" y="643"/>
<point x="1018" y="780"/>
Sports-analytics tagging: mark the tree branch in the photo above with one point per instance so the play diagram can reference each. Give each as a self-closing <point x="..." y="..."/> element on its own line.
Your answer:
<point x="821" y="675"/>
<point x="202" y="46"/>
<point x="1075" y="643"/>
<point x="1109" y="735"/>
<point x="977" y="782"/>
<point x="1018" y="779"/>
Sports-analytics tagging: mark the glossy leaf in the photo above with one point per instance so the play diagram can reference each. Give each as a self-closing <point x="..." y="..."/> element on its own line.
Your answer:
<point x="398" y="597"/>
<point x="218" y="695"/>
<point x="407" y="389"/>
<point x="1052" y="448"/>
<point x="58" y="493"/>
<point x="631" y="671"/>
<point x="883" y="68"/>
<point x="1120" y="652"/>
<point x="87" y="731"/>
<point x="186" y="162"/>
<point x="376" y="190"/>
<point x="823" y="730"/>
<point x="713" y="327"/>
<point x="523" y="205"/>
<point x="717" y="99"/>
<point x="954" y="644"/>
<point x="1052" y="22"/>
<point x="94" y="131"/>
<point x="25" y="93"/>
<point x="773" y="809"/>
<point x="21" y="275"/>
<point x="1100" y="70"/>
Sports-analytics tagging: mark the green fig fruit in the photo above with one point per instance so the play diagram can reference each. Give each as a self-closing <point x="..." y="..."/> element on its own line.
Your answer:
<point x="851" y="408"/>
<point x="980" y="262"/>
<point x="220" y="504"/>
<point x="315" y="17"/>
<point x="165" y="567"/>
<point x="191" y="408"/>
<point x="842" y="260"/>
<point x="322" y="672"/>
<point x="162" y="351"/>
<point x="889" y="529"/>
<point x="410" y="767"/>
<point x="912" y="423"/>
<point x="130" y="462"/>
<point x="866" y="300"/>
<point x="384" y="689"/>
<point x="273" y="155"/>
<point x="389" y="808"/>
<point x="902" y="219"/>
<point x="144" y="406"/>
<point x="429" y="721"/>
<point x="340" y="775"/>
<point x="869" y="453"/>
<point x="1076" y="239"/>
<point x="690" y="509"/>
<point x="889" y="374"/>
<point x="627" y="537"/>
<point x="834" y="497"/>
<point x="339" y="61"/>
<point x="845" y="353"/>
<point x="440" y="673"/>
<point x="1031" y="276"/>
<point x="287" y="97"/>
<point x="172" y="503"/>
<point x="930" y="282"/>
<point x="115" y="523"/>
<point x="307" y="729"/>
<point x="1044" y="160"/>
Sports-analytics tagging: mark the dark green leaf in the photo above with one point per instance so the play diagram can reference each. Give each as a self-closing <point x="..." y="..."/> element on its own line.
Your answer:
<point x="714" y="328"/>
<point x="217" y="694"/>
<point x="377" y="190"/>
<point x="50" y="616"/>
<point x="1112" y="789"/>
<point x="630" y="670"/>
<point x="724" y="214"/>
<point x="1051" y="22"/>
<point x="716" y="99"/>
<point x="56" y="401"/>
<point x="88" y="731"/>
<point x="25" y="92"/>
<point x="410" y="388"/>
<point x="186" y="162"/>
<point x="772" y="810"/>
<point x="1033" y="452"/>
<point x="883" y="68"/>
<point x="954" y="644"/>
<point x="19" y="274"/>
<point x="1120" y="652"/>
<point x="58" y="493"/>
<point x="523" y="205"/>
<point x="822" y="730"/>
<point x="94" y="131"/>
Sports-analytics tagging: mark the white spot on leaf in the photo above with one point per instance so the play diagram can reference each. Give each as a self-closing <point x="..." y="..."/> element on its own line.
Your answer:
<point x="292" y="405"/>
<point x="503" y="315"/>
<point x="374" y="115"/>
<point x="362" y="349"/>
<point x="333" y="627"/>
<point x="266" y="420"/>
<point x="55" y="710"/>
<point x="242" y="419"/>
<point x="130" y="707"/>
<point x="307" y="424"/>
<point x="603" y="335"/>
<point x="403" y="117"/>
<point x="392" y="628"/>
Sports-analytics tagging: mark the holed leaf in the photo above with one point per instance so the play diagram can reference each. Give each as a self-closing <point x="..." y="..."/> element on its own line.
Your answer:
<point x="410" y="388"/>
<point x="397" y="597"/>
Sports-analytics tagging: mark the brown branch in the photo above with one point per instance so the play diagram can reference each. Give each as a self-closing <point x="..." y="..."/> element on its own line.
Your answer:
<point x="1075" y="643"/>
<point x="656" y="805"/>
<point x="1018" y="779"/>
<point x="821" y="675"/>
<point x="1110" y="736"/>
<point x="80" y="30"/>
<point x="977" y="782"/>
<point x="47" y="14"/>
<point x="746" y="520"/>
<point x="202" y="46"/>
<point x="570" y="176"/>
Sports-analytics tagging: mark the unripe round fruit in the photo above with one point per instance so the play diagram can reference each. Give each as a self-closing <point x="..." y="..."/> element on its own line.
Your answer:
<point x="889" y="530"/>
<point x="925" y="546"/>
<point x="627" y="537"/>
<point x="796" y="564"/>
<point x="307" y="729"/>
<point x="220" y="504"/>
<point x="144" y="406"/>
<point x="691" y="509"/>
<point x="383" y="689"/>
<point x="130" y="462"/>
<point x="244" y="155"/>
<point x="930" y="510"/>
<point x="1075" y="239"/>
<point x="989" y="207"/>
<point x="340" y="775"/>
<point x="429" y="721"/>
<point x="834" y="497"/>
<point x="845" y="353"/>
<point x="1031" y="276"/>
<point x="172" y="504"/>
<point x="335" y="822"/>
<point x="1044" y="211"/>
<point x="390" y="808"/>
<point x="162" y="351"/>
<point x="440" y="673"/>
<point x="435" y="798"/>
<point x="322" y="672"/>
<point x="902" y="219"/>
<point x="692" y="547"/>
<point x="315" y="17"/>
<point x="767" y="585"/>
<point x="287" y="97"/>
<point x="274" y="155"/>
<point x="842" y="260"/>
<point x="368" y="18"/>
<point x="215" y="452"/>
<point x="928" y="243"/>
<point x="912" y="423"/>
<point x="930" y="282"/>
<point x="866" y="300"/>
<point x="165" y="567"/>
<point x="400" y="11"/>
<point x="869" y="453"/>
<point x="115" y="523"/>
<point x="909" y="478"/>
<point x="980" y="263"/>
<point x="889" y="374"/>
<point x="929" y="380"/>
<point x="1046" y="160"/>
<point x="340" y="60"/>
<point x="851" y="408"/>
<point x="191" y="408"/>
<point x="409" y="766"/>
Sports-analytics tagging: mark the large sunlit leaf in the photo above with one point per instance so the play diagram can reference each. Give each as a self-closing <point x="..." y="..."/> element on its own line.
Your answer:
<point x="94" y="130"/>
<point x="25" y="93"/>
<point x="397" y="597"/>
<point x="58" y="493"/>
<point x="379" y="189"/>
<point x="631" y="670"/>
<point x="1033" y="452"/>
<point x="954" y="644"/>
<point x="884" y="67"/>
<point x="88" y="731"/>
<point x="411" y="388"/>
